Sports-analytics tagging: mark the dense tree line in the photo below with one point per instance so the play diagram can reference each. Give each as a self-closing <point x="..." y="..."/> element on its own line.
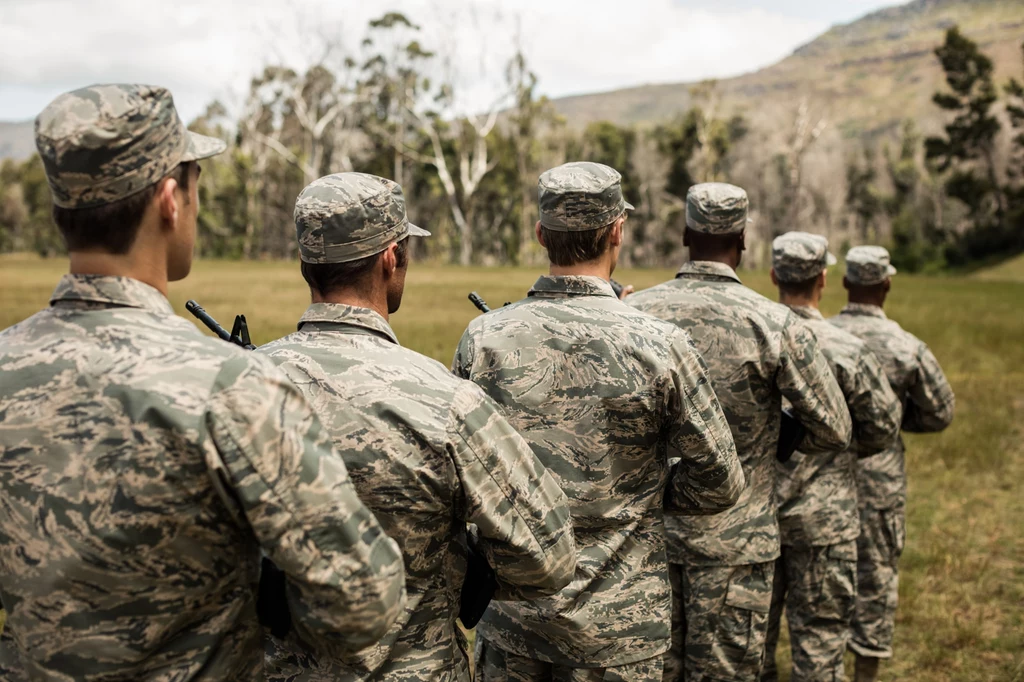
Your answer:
<point x="391" y="110"/>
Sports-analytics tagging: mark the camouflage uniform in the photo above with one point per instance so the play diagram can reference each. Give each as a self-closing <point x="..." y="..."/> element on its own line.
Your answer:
<point x="928" y="405"/>
<point x="815" y="578"/>
<point x="605" y="395"/>
<point x="757" y="352"/>
<point x="144" y="465"/>
<point x="427" y="452"/>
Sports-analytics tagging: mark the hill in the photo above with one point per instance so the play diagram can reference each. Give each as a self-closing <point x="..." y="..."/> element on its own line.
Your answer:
<point x="866" y="76"/>
<point x="16" y="141"/>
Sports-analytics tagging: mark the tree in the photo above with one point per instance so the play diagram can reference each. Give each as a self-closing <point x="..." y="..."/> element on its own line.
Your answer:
<point x="970" y="136"/>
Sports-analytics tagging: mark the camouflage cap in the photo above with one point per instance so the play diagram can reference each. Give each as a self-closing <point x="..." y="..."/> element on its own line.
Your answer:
<point x="103" y="143"/>
<point x="799" y="256"/>
<point x="716" y="208"/>
<point x="868" y="265"/>
<point x="348" y="216"/>
<point x="580" y="196"/>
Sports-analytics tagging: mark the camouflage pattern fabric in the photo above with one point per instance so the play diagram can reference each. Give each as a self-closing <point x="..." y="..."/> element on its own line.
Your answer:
<point x="757" y="351"/>
<point x="917" y="380"/>
<point x="716" y="208"/>
<point x="868" y="265"/>
<point x="104" y="143"/>
<point x="348" y="216"/>
<point x="928" y="406"/>
<point x="427" y="452"/>
<point x="580" y="196"/>
<point x="144" y="468"/>
<point x="719" y="621"/>
<point x="800" y="256"/>
<point x="883" y="536"/>
<point x="605" y="396"/>
<point x="817" y="492"/>
<point x="818" y="519"/>
<point x="496" y="665"/>
<point x="817" y="586"/>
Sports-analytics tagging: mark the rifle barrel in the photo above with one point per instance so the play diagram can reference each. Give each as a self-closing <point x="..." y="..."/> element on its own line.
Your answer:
<point x="207" y="319"/>
<point x="479" y="302"/>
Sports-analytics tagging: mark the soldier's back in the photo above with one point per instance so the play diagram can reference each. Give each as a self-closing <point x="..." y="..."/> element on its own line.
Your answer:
<point x="118" y="559"/>
<point x="587" y="380"/>
<point x="391" y="413"/>
<point x="740" y="335"/>
<point x="910" y="367"/>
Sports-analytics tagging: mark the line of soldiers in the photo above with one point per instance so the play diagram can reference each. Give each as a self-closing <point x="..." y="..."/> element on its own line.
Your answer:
<point x="614" y="460"/>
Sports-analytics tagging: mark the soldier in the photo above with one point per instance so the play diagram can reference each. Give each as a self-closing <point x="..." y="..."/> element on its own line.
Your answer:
<point x="427" y="451"/>
<point x="143" y="465"/>
<point x="758" y="352"/>
<point x="605" y="395"/>
<point x="816" y="576"/>
<point x="928" y="404"/>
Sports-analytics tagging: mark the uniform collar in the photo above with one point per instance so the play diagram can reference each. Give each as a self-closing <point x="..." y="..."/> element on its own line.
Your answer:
<point x="807" y="312"/>
<point x="327" y="315"/>
<point x="707" y="269"/>
<point x="552" y="286"/>
<point x="864" y="310"/>
<point x="119" y="292"/>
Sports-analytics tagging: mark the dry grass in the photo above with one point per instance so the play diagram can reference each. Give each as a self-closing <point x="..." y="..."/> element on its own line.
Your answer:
<point x="962" y="595"/>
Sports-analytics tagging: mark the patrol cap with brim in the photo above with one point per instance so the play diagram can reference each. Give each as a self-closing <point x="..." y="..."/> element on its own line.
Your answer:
<point x="580" y="196"/>
<point x="716" y="208"/>
<point x="348" y="216"/>
<point x="868" y="265"/>
<point x="800" y="256"/>
<point x="104" y="143"/>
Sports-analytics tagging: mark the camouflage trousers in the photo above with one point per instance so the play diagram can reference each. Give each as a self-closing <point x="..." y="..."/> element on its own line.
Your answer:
<point x="496" y="665"/>
<point x="817" y="586"/>
<point x="883" y="534"/>
<point x="719" y="622"/>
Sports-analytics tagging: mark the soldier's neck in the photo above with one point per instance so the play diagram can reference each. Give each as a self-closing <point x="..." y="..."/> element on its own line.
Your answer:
<point x="731" y="258"/>
<point x="147" y="268"/>
<point x="799" y="301"/>
<point x="355" y="298"/>
<point x="877" y="301"/>
<point x="598" y="268"/>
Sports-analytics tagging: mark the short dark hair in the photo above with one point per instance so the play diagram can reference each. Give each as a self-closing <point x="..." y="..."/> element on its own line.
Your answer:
<point x="112" y="227"/>
<point x="713" y="244"/>
<point x="326" y="278"/>
<point x="802" y="289"/>
<point x="572" y="248"/>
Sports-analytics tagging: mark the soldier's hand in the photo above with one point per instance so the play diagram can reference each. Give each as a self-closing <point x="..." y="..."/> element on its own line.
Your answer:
<point x="626" y="291"/>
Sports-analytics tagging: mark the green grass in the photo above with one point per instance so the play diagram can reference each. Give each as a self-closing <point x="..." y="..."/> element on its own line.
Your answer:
<point x="962" y="594"/>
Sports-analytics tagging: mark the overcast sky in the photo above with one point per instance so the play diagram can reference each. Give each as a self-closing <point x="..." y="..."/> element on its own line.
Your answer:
<point x="207" y="49"/>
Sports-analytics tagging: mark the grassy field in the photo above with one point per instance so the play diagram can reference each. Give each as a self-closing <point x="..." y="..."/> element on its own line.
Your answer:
<point x="962" y="594"/>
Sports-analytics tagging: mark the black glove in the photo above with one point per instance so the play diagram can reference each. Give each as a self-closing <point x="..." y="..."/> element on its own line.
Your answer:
<point x="791" y="434"/>
<point x="479" y="586"/>
<point x="272" y="602"/>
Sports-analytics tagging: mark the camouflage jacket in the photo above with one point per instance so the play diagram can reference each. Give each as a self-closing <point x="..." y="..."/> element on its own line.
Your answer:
<point x="757" y="352"/>
<point x="606" y="396"/>
<point x="817" y="493"/>
<point x="143" y="467"/>
<point x="428" y="452"/>
<point x="919" y="384"/>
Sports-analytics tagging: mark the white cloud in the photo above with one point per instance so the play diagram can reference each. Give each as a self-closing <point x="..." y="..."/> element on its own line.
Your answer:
<point x="206" y="50"/>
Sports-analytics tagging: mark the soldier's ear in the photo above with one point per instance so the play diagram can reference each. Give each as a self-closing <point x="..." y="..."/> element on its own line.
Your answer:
<point x="389" y="260"/>
<point x="823" y="279"/>
<point x="743" y="240"/>
<point x="166" y="200"/>
<point x="540" y="235"/>
<point x="617" y="229"/>
<point x="775" y="279"/>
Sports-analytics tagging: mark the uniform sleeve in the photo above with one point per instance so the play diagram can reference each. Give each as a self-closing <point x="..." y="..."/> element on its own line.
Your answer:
<point x="930" y="402"/>
<point x="708" y="478"/>
<point x="345" y="577"/>
<point x="805" y="379"/>
<point x="520" y="512"/>
<point x="874" y="407"/>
